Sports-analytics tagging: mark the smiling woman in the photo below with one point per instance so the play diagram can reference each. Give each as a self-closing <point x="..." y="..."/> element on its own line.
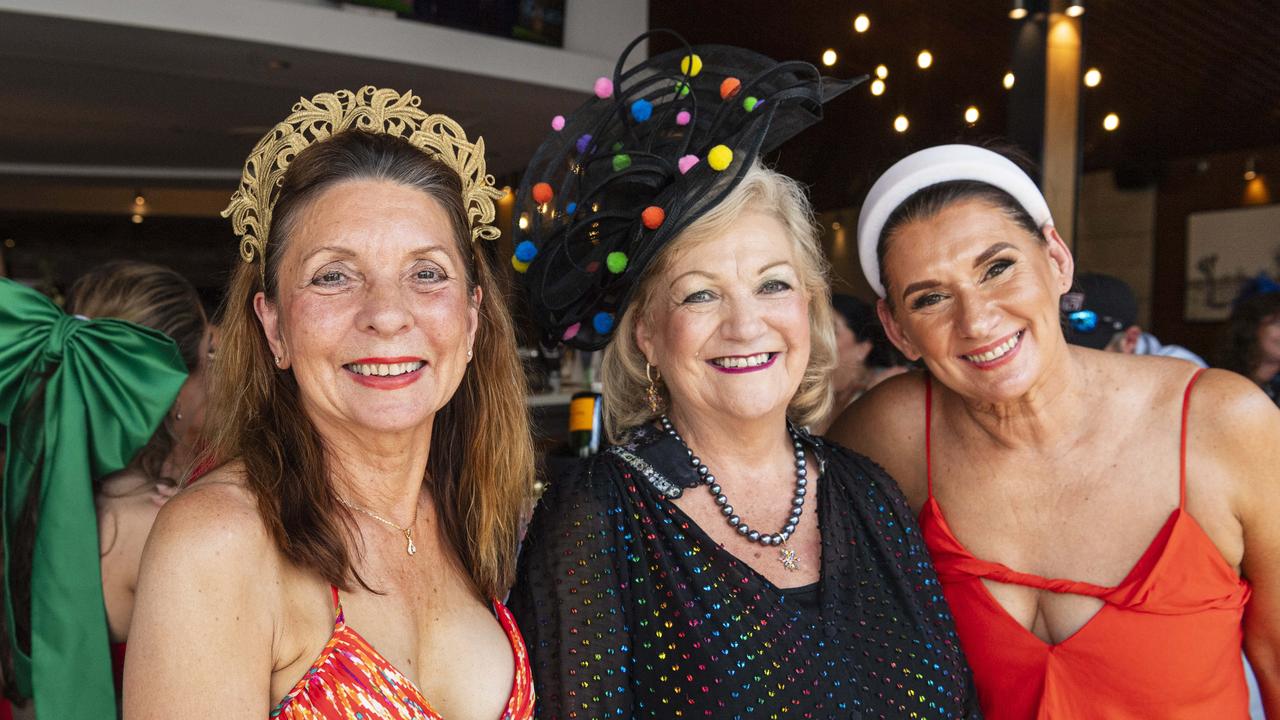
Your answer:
<point x="375" y="443"/>
<point x="1109" y="533"/>
<point x="719" y="561"/>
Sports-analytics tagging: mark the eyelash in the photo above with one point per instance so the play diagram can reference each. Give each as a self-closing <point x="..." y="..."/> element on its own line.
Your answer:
<point x="996" y="269"/>
<point x="334" y="277"/>
<point x="769" y="287"/>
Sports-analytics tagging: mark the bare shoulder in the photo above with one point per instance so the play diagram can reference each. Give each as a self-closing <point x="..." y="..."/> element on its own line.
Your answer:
<point x="218" y="511"/>
<point x="1233" y="421"/>
<point x="887" y="425"/>
<point x="208" y="606"/>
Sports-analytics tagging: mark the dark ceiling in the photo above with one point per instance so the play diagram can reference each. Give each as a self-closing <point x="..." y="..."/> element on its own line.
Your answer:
<point x="1186" y="77"/>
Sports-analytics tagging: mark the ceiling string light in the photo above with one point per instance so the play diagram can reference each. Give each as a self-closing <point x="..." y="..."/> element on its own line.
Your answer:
<point x="924" y="59"/>
<point x="1092" y="77"/>
<point x="861" y="23"/>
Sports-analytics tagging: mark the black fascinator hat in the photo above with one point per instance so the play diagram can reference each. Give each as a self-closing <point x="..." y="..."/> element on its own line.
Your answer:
<point x="656" y="148"/>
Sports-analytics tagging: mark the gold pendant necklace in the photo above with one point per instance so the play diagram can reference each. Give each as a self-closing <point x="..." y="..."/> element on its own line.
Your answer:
<point x="406" y="531"/>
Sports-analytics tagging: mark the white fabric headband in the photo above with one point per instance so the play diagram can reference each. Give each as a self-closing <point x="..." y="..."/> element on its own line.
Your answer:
<point x="934" y="165"/>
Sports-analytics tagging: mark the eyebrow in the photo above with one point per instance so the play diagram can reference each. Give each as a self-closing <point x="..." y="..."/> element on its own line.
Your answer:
<point x="991" y="251"/>
<point x="763" y="269"/>
<point x="349" y="253"/>
<point x="982" y="258"/>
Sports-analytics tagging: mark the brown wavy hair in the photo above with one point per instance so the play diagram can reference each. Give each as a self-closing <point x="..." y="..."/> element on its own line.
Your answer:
<point x="763" y="190"/>
<point x="480" y="467"/>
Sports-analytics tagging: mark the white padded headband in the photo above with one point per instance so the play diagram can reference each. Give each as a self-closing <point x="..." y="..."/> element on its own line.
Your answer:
<point x="934" y="165"/>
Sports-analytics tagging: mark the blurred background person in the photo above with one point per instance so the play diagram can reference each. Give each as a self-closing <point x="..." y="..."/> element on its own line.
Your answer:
<point x="89" y="398"/>
<point x="864" y="356"/>
<point x="1252" y="346"/>
<point x="1102" y="313"/>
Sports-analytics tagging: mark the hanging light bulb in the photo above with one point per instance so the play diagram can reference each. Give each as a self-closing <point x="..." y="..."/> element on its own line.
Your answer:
<point x="882" y="71"/>
<point x="971" y="114"/>
<point x="901" y="123"/>
<point x="924" y="59"/>
<point x="1008" y="81"/>
<point x="1111" y="122"/>
<point x="1092" y="77"/>
<point x="861" y="23"/>
<point x="877" y="87"/>
<point x="829" y="57"/>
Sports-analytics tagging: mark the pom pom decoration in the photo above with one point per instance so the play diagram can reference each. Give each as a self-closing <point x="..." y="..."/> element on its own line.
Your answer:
<point x="682" y="88"/>
<point x="652" y="218"/>
<point x="542" y="193"/>
<point x="686" y="163"/>
<point x="571" y="208"/>
<point x="749" y="103"/>
<point x="683" y="117"/>
<point x="557" y="123"/>
<point x="571" y="331"/>
<point x="621" y="162"/>
<point x="602" y="322"/>
<point x="730" y="87"/>
<point x="603" y="88"/>
<point x="519" y="265"/>
<point x="616" y="262"/>
<point x="526" y="251"/>
<point x="691" y="65"/>
<point x="583" y="143"/>
<point x="641" y="110"/>
<point x="720" y="157"/>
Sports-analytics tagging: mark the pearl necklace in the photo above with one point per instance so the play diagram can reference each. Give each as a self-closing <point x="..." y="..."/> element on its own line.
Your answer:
<point x="787" y="556"/>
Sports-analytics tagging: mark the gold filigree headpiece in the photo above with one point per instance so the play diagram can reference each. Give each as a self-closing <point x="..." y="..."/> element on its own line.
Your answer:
<point x="375" y="110"/>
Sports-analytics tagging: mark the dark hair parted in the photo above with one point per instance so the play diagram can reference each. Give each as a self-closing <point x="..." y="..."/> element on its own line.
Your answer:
<point x="1240" y="353"/>
<point x="926" y="203"/>
<point x="480" y="467"/>
<point x="158" y="298"/>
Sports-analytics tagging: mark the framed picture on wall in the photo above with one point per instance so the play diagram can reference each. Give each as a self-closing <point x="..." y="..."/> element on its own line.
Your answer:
<point x="1225" y="249"/>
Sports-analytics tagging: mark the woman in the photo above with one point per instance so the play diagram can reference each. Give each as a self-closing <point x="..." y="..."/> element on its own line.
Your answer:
<point x="127" y="501"/>
<point x="1253" y="342"/>
<point x="94" y="408"/>
<point x="1089" y="513"/>
<point x="638" y="599"/>
<point x="348" y="557"/>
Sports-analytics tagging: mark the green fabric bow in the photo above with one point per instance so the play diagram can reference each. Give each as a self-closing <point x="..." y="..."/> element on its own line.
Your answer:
<point x="107" y="385"/>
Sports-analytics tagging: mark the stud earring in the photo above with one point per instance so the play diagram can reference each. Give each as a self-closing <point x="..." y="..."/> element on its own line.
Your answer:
<point x="468" y="353"/>
<point x="279" y="360"/>
<point x="651" y="395"/>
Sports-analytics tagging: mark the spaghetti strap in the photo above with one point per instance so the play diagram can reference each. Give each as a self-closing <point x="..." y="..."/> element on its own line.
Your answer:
<point x="928" y="431"/>
<point x="1182" y="442"/>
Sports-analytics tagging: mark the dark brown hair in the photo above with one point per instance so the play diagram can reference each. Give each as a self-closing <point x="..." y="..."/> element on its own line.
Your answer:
<point x="926" y="203"/>
<point x="480" y="468"/>
<point x="1240" y="352"/>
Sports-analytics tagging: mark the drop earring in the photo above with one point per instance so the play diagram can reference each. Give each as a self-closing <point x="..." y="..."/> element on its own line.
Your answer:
<point x="651" y="395"/>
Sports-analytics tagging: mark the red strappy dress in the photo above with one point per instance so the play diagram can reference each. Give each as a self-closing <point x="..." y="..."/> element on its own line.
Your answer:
<point x="1166" y="643"/>
<point x="352" y="680"/>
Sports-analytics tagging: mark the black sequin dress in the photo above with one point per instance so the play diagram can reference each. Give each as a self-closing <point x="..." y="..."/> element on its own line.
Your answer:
<point x="628" y="609"/>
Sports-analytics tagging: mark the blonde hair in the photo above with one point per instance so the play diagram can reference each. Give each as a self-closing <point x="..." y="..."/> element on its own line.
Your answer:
<point x="480" y="468"/>
<point x="764" y="190"/>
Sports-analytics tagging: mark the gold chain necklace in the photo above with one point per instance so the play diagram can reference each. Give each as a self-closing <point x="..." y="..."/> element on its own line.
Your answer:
<point x="406" y="531"/>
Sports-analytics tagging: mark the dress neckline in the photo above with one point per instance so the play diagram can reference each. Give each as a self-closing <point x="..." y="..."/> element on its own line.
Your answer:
<point x="341" y="629"/>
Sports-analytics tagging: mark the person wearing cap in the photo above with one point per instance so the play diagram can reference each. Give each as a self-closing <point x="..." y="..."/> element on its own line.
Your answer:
<point x="718" y="560"/>
<point x="1102" y="313"/>
<point x="1102" y="524"/>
